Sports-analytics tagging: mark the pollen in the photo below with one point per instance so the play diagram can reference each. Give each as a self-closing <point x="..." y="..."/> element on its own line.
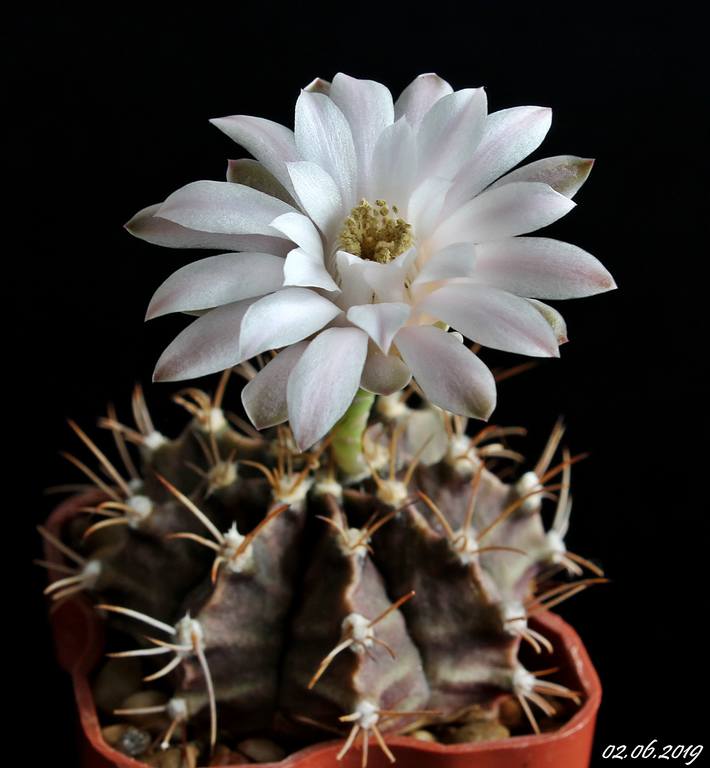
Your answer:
<point x="376" y="233"/>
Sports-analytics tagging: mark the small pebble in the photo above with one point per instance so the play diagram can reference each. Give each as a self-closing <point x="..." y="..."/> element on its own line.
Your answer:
<point x="261" y="750"/>
<point x="511" y="714"/>
<point x="224" y="756"/>
<point x="423" y="735"/>
<point x="481" y="730"/>
<point x="128" y="739"/>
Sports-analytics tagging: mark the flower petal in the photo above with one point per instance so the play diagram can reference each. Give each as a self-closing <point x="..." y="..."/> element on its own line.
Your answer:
<point x="450" y="132"/>
<point x="283" y="318"/>
<point x="456" y="260"/>
<point x="318" y="85"/>
<point x="147" y="226"/>
<point x="324" y="382"/>
<point x="307" y="269"/>
<point x="387" y="280"/>
<point x="554" y="318"/>
<point x="301" y="230"/>
<point x="220" y="206"/>
<point x="509" y="136"/>
<point x="368" y="108"/>
<point x="513" y="209"/>
<point x="264" y="397"/>
<point x="318" y="194"/>
<point x="209" y="344"/>
<point x="323" y="136"/>
<point x="380" y="321"/>
<point x="419" y="97"/>
<point x="493" y="318"/>
<point x="394" y="165"/>
<point x="272" y="144"/>
<point x="540" y="267"/>
<point x="253" y="174"/>
<point x="217" y="280"/>
<point x="426" y="205"/>
<point x="450" y="375"/>
<point x="564" y="173"/>
<point x="354" y="288"/>
<point x="384" y="374"/>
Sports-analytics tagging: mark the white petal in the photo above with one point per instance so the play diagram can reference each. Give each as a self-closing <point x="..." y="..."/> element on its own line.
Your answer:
<point x="354" y="288"/>
<point x="513" y="209"/>
<point x="323" y="136"/>
<point x="368" y="108"/>
<point x="217" y="280"/>
<point x="253" y="174"/>
<point x="324" y="382"/>
<point x="318" y="85"/>
<point x="318" y="194"/>
<point x="147" y="226"/>
<point x="554" y="318"/>
<point x="493" y="318"/>
<point x="209" y="344"/>
<point x="271" y="144"/>
<point x="419" y="97"/>
<point x="450" y="132"/>
<point x="426" y="205"/>
<point x="456" y="260"/>
<point x="387" y="280"/>
<point x="264" y="397"/>
<point x="540" y="267"/>
<point x="380" y="321"/>
<point x="426" y="435"/>
<point x="306" y="269"/>
<point x="564" y="173"/>
<point x="220" y="206"/>
<point x="509" y="136"/>
<point x="301" y="230"/>
<point x="394" y="165"/>
<point x="384" y="374"/>
<point x="283" y="318"/>
<point x="450" y="375"/>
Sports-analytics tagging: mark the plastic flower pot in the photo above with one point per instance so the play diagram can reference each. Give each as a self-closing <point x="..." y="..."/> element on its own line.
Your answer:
<point x="79" y="639"/>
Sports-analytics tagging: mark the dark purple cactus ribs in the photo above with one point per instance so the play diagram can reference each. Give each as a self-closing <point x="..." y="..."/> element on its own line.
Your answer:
<point x="273" y="602"/>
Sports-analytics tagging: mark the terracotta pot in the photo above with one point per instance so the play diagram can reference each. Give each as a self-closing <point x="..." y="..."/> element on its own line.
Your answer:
<point x="78" y="634"/>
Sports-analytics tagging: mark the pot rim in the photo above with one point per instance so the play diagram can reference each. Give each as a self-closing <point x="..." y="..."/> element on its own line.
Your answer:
<point x="79" y="651"/>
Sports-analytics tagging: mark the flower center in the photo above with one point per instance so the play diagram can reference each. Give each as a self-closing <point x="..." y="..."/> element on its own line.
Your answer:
<point x="375" y="234"/>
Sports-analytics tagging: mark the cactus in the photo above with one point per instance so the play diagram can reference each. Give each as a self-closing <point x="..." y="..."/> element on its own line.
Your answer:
<point x="268" y="594"/>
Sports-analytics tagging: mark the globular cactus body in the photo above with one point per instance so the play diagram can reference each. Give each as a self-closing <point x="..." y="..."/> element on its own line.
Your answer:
<point x="270" y="594"/>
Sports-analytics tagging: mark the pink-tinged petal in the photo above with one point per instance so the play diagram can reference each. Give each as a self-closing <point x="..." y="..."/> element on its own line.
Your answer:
<point x="426" y="205"/>
<point x="554" y="318"/>
<point x="307" y="269"/>
<point x="509" y="136"/>
<point x="368" y="108"/>
<point x="513" y="209"/>
<point x="456" y="260"/>
<point x="493" y="318"/>
<point x="324" y="382"/>
<point x="301" y="230"/>
<point x="217" y="280"/>
<point x="318" y="85"/>
<point x="394" y="165"/>
<point x="147" y="226"/>
<point x="223" y="207"/>
<point x="387" y="280"/>
<point x="450" y="375"/>
<point x="271" y="144"/>
<point x="384" y="374"/>
<point x="323" y="136"/>
<point x="419" y="97"/>
<point x="450" y="132"/>
<point x="564" y="173"/>
<point x="354" y="288"/>
<point x="318" y="195"/>
<point x="541" y="268"/>
<point x="264" y="397"/>
<point x="209" y="344"/>
<point x="283" y="318"/>
<point x="426" y="435"/>
<point x="253" y="174"/>
<point x="380" y="321"/>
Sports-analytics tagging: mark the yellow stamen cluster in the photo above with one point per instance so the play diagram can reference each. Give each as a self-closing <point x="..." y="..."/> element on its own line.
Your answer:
<point x="373" y="233"/>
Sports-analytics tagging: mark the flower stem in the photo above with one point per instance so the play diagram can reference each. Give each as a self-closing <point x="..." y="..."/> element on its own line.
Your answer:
<point x="346" y="436"/>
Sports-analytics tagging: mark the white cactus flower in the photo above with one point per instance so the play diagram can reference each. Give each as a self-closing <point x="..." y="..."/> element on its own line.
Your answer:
<point x="364" y="233"/>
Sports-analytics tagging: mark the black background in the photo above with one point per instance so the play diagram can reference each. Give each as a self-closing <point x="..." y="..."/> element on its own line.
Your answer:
<point x="111" y="112"/>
